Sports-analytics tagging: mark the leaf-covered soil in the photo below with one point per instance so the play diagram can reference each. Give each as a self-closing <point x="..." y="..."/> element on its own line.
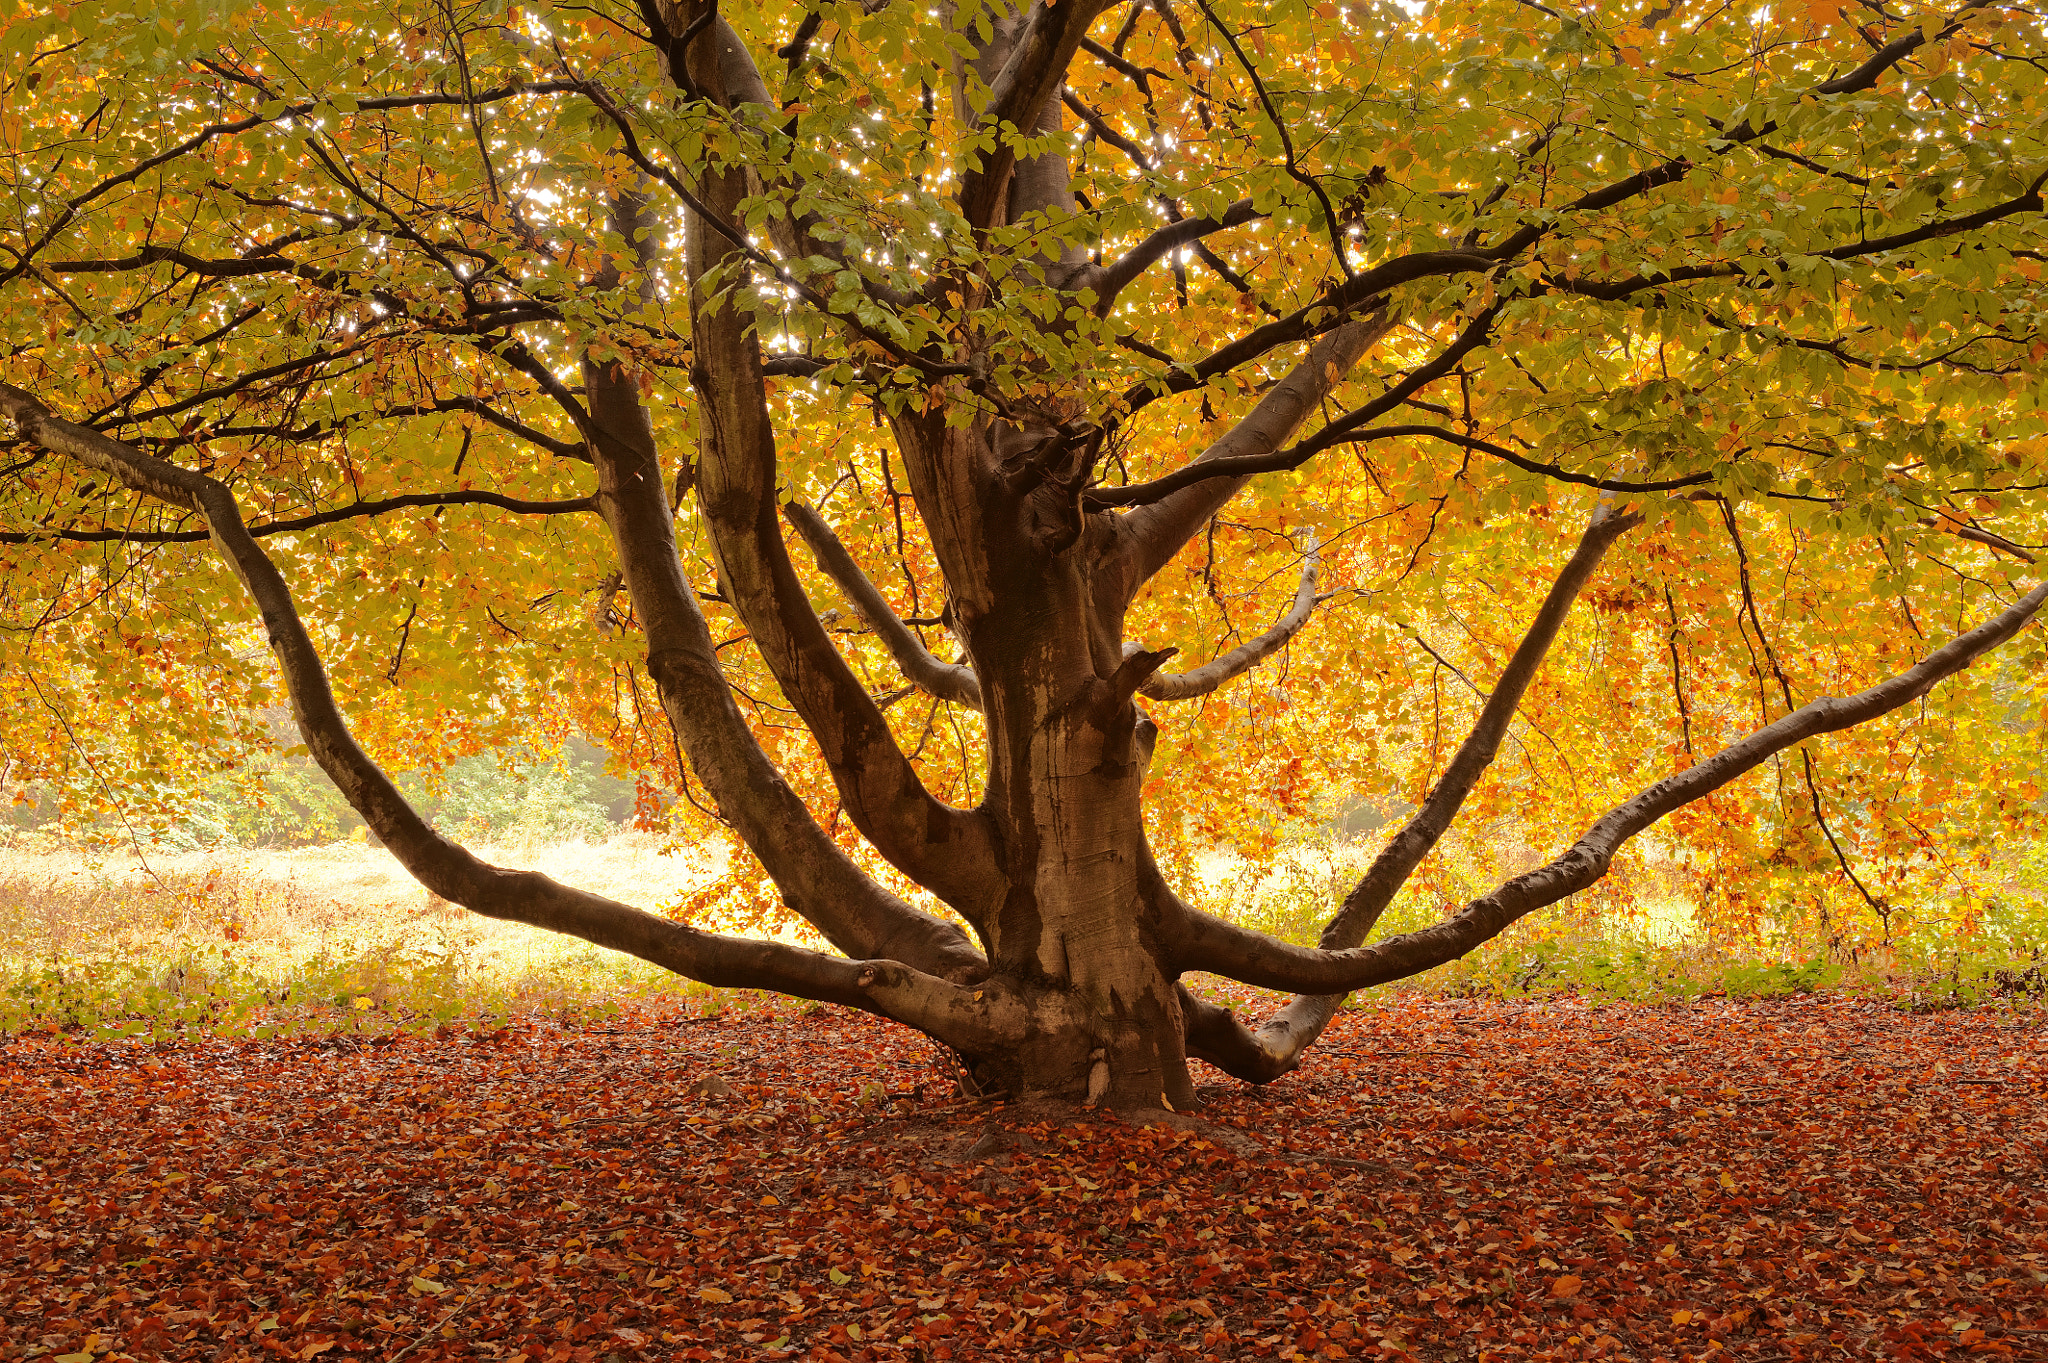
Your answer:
<point x="1819" y="1179"/>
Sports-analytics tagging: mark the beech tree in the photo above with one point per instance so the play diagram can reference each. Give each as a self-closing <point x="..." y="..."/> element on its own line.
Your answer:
<point x="684" y="370"/>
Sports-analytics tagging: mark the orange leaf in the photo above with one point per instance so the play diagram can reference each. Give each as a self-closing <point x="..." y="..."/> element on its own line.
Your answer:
<point x="1567" y="1286"/>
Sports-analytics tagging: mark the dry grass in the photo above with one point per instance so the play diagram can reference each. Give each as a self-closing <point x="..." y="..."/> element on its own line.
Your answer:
<point x="336" y="924"/>
<point x="342" y="936"/>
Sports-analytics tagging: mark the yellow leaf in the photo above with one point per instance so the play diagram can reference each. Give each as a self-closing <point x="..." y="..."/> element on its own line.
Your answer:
<point x="717" y="1295"/>
<point x="429" y="1286"/>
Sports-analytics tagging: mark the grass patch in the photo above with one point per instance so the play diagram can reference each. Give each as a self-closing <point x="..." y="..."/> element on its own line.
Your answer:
<point x="340" y="939"/>
<point x="322" y="940"/>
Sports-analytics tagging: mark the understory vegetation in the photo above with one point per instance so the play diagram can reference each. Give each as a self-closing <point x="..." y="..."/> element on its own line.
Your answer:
<point x="242" y="939"/>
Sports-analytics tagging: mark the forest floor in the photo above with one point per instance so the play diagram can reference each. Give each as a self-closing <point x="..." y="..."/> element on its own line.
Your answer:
<point x="1815" y="1178"/>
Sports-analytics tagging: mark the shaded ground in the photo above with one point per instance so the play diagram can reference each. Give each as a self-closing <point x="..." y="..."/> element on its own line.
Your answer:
<point x="1821" y="1179"/>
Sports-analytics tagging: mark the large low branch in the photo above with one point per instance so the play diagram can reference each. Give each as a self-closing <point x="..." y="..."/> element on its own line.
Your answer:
<point x="1212" y="944"/>
<point x="814" y="875"/>
<point x="948" y="1010"/>
<point x="1200" y="681"/>
<point x="1295" y="1028"/>
<point x="955" y="682"/>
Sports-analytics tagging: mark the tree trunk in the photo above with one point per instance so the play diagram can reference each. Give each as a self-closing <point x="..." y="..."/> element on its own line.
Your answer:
<point x="1076" y="927"/>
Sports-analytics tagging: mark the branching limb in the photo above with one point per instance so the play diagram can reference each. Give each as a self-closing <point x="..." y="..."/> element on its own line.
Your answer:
<point x="1028" y="81"/>
<point x="1154" y="533"/>
<point x="1111" y="280"/>
<point x="1303" y="1019"/>
<point x="1200" y="681"/>
<point x="333" y="515"/>
<point x="948" y="681"/>
<point x="1212" y="944"/>
<point x="815" y="877"/>
<point x="949" y="851"/>
<point x="451" y="871"/>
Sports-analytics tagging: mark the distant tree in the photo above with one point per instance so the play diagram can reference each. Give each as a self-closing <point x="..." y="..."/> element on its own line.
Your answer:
<point x="503" y="355"/>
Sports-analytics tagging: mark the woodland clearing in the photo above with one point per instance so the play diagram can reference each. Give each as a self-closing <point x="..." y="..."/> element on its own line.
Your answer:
<point x="1784" y="1180"/>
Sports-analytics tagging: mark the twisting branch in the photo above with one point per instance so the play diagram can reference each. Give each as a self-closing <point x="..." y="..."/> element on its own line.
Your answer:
<point x="1294" y="456"/>
<point x="955" y="682"/>
<point x="1200" y="681"/>
<point x="1110" y="280"/>
<point x="451" y="871"/>
<point x="1303" y="1019"/>
<point x="1209" y="943"/>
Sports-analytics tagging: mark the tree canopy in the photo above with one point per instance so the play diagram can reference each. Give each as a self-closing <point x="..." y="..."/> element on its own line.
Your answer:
<point x="981" y="458"/>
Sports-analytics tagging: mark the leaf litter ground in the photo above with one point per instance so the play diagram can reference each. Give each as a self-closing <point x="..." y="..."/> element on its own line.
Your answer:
<point x="1816" y="1179"/>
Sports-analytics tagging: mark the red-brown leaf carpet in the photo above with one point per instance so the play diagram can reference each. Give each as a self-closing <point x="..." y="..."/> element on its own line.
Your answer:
<point x="1820" y="1179"/>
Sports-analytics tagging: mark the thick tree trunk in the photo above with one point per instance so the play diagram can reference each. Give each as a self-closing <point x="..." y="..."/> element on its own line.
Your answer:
<point x="1038" y="598"/>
